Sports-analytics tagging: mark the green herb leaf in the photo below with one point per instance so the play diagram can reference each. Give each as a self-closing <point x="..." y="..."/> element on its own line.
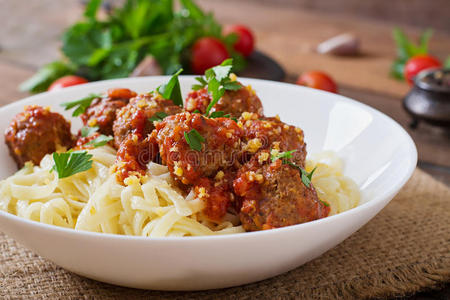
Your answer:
<point x="196" y="111"/>
<point x="70" y="163"/>
<point x="172" y="89"/>
<point x="159" y="116"/>
<point x="81" y="104"/>
<point x="194" y="139"/>
<point x="41" y="81"/>
<point x="218" y="80"/>
<point x="92" y="8"/>
<point x="324" y="203"/>
<point x="284" y="156"/>
<point x="87" y="131"/>
<point x="99" y="141"/>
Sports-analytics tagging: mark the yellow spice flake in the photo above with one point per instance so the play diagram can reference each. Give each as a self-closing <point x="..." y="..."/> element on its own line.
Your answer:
<point x="253" y="145"/>
<point x="233" y="77"/>
<point x="219" y="175"/>
<point x="92" y="122"/>
<point x="263" y="157"/>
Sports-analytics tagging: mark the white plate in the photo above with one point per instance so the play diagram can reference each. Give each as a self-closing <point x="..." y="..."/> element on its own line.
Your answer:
<point x="379" y="155"/>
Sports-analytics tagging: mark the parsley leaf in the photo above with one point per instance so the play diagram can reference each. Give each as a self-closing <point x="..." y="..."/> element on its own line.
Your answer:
<point x="87" y="131"/>
<point x="159" y="116"/>
<point x="81" y="104"/>
<point x="40" y="81"/>
<point x="218" y="81"/>
<point x="281" y="155"/>
<point x="194" y="139"/>
<point x="324" y="203"/>
<point x="99" y="141"/>
<point x="219" y="114"/>
<point x="284" y="156"/>
<point x="172" y="90"/>
<point x="72" y="162"/>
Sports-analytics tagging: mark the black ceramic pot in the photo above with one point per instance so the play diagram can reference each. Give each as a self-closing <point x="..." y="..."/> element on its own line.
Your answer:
<point x="429" y="99"/>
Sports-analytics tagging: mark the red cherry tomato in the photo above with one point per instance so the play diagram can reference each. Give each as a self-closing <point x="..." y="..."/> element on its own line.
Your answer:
<point x="419" y="63"/>
<point x="245" y="42"/>
<point x="66" y="81"/>
<point x="207" y="52"/>
<point x="317" y="80"/>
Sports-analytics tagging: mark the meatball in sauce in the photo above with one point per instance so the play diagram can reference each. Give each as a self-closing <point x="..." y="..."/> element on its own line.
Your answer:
<point x="271" y="133"/>
<point x="135" y="117"/>
<point x="273" y="195"/>
<point x="232" y="102"/>
<point x="219" y="149"/>
<point x="36" y="132"/>
<point x="102" y="111"/>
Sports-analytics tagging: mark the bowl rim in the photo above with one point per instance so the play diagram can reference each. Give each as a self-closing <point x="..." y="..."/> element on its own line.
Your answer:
<point x="388" y="193"/>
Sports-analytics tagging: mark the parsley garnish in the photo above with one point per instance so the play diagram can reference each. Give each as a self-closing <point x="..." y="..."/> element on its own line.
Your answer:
<point x="87" y="131"/>
<point x="81" y="104"/>
<point x="324" y="203"/>
<point x="71" y="163"/>
<point x="172" y="90"/>
<point x="159" y="116"/>
<point x="219" y="114"/>
<point x="99" y="141"/>
<point x="218" y="81"/>
<point x="284" y="156"/>
<point x="194" y="139"/>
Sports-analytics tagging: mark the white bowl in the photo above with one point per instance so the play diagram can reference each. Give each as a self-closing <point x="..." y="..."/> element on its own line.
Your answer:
<point x="379" y="155"/>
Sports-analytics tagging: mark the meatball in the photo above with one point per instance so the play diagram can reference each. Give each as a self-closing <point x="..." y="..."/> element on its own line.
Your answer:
<point x="216" y="193"/>
<point x="219" y="148"/>
<point x="232" y="102"/>
<point x="36" y="132"/>
<point x="102" y="111"/>
<point x="134" y="153"/>
<point x="271" y="133"/>
<point x="273" y="195"/>
<point x="134" y="117"/>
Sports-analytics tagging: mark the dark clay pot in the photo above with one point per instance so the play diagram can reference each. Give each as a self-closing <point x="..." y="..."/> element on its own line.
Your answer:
<point x="429" y="99"/>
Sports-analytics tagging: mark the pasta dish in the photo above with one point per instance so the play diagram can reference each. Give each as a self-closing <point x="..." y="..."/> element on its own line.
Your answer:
<point x="156" y="165"/>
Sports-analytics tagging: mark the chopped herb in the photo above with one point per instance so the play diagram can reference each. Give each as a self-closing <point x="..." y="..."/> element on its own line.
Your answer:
<point x="172" y="90"/>
<point x="194" y="139"/>
<point x="81" y="104"/>
<point x="71" y="163"/>
<point x="218" y="81"/>
<point x="196" y="111"/>
<point x="202" y="84"/>
<point x="219" y="114"/>
<point x="284" y="156"/>
<point x="324" y="203"/>
<point x="159" y="116"/>
<point x="87" y="131"/>
<point x="99" y="141"/>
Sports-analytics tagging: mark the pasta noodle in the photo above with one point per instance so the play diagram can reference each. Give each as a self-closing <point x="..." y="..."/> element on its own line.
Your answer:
<point x="151" y="206"/>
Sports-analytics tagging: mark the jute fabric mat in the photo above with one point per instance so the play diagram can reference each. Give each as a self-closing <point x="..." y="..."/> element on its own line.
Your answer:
<point x="404" y="249"/>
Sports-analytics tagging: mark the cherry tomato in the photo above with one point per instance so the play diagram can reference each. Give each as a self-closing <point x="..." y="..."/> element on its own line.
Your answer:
<point x="419" y="63"/>
<point x="245" y="42"/>
<point x="207" y="52"/>
<point x="317" y="80"/>
<point x="66" y="81"/>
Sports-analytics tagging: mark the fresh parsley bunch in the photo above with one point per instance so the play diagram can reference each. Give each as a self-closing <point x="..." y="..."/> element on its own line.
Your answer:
<point x="112" y="47"/>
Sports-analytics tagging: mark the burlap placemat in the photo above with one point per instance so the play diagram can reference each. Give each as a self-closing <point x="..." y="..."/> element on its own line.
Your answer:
<point x="406" y="248"/>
